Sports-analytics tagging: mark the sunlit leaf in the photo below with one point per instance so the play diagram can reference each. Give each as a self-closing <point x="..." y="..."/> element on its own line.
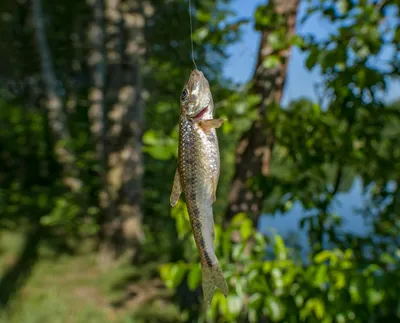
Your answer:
<point x="194" y="277"/>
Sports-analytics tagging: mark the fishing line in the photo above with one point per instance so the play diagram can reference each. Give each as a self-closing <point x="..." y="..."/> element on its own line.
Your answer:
<point x="191" y="32"/>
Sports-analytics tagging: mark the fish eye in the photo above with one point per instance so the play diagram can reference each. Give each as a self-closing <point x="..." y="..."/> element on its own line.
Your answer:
<point x="184" y="94"/>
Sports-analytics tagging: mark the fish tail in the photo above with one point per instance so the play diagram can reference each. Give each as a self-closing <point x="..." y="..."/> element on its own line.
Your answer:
<point x="213" y="278"/>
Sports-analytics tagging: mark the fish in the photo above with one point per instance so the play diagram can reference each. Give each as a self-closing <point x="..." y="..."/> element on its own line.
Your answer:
<point x="197" y="175"/>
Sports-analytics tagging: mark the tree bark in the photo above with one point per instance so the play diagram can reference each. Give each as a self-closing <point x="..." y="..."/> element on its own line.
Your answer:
<point x="254" y="150"/>
<point x="97" y="93"/>
<point x="57" y="117"/>
<point x="97" y="64"/>
<point x="122" y="226"/>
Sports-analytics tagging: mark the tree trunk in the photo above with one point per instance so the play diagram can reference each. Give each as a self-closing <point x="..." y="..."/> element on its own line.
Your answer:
<point x="57" y="117"/>
<point x="122" y="226"/>
<point x="254" y="150"/>
<point x="97" y="93"/>
<point x="97" y="63"/>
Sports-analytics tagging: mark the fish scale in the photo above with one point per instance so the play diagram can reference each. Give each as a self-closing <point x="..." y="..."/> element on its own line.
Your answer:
<point x="196" y="178"/>
<point x="197" y="175"/>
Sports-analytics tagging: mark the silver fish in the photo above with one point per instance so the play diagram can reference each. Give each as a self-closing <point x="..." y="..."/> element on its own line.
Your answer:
<point x="198" y="173"/>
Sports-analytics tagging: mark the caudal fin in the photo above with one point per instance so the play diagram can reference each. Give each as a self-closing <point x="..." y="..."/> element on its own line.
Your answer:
<point x="213" y="278"/>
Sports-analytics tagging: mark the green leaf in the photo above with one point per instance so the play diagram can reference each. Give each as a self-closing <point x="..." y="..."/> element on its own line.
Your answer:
<point x="246" y="229"/>
<point x="252" y="316"/>
<point x="339" y="279"/>
<point x="221" y="303"/>
<point x="151" y="137"/>
<point x="315" y="305"/>
<point x="239" y="218"/>
<point x="319" y="308"/>
<point x="355" y="292"/>
<point x="343" y="6"/>
<point x="321" y="275"/>
<point x="277" y="40"/>
<point x="177" y="272"/>
<point x="227" y="127"/>
<point x="311" y="60"/>
<point x="237" y="251"/>
<point x="299" y="300"/>
<point x="297" y="40"/>
<point x="165" y="275"/>
<point x="158" y="152"/>
<point x="375" y="296"/>
<point x="235" y="305"/>
<point x="322" y="256"/>
<point x="280" y="248"/>
<point x="204" y="16"/>
<point x="172" y="274"/>
<point x="194" y="277"/>
<point x="276" y="308"/>
<point x="288" y="206"/>
<point x="267" y="267"/>
<point x="201" y="34"/>
<point x="271" y="61"/>
<point x="255" y="301"/>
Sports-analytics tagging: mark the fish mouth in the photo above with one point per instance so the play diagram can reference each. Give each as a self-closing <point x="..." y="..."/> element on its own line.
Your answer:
<point x="200" y="114"/>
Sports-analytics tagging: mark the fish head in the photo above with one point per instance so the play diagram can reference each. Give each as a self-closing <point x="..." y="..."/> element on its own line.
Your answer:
<point x="196" y="98"/>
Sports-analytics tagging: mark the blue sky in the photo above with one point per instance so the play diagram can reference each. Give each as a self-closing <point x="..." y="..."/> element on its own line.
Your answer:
<point x="300" y="81"/>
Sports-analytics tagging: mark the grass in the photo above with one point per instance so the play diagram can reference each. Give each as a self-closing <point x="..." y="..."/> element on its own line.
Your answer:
<point x="72" y="289"/>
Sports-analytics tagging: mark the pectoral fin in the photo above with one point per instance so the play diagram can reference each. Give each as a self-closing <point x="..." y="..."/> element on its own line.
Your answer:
<point x="176" y="190"/>
<point x="210" y="124"/>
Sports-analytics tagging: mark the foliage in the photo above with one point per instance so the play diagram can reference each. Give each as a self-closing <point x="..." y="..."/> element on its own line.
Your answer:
<point x="321" y="148"/>
<point x="334" y="287"/>
<point x="349" y="132"/>
<point x="32" y="191"/>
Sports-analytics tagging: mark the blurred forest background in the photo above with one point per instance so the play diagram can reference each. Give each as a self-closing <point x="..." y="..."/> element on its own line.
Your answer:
<point x="89" y="103"/>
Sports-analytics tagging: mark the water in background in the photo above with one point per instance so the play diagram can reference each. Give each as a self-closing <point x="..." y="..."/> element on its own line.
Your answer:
<point x="345" y="205"/>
